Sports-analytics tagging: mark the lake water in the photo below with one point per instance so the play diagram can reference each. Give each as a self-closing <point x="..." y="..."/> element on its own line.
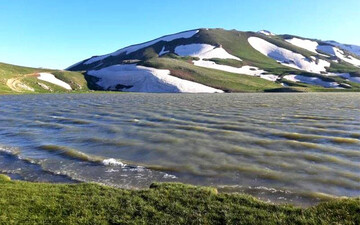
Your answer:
<point x="294" y="148"/>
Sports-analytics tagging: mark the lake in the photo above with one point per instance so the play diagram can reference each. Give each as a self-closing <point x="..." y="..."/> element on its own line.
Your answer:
<point x="297" y="148"/>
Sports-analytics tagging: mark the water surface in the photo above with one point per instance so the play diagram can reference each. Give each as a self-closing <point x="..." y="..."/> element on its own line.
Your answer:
<point x="292" y="148"/>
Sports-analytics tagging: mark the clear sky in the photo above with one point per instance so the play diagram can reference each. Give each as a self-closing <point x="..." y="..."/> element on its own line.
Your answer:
<point x="58" y="33"/>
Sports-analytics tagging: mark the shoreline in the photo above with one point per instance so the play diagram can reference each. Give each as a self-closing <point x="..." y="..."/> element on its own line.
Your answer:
<point x="172" y="203"/>
<point x="289" y="91"/>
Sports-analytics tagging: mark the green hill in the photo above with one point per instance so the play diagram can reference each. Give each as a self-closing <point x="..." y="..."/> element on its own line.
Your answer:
<point x="162" y="53"/>
<point x="203" y="60"/>
<point x="18" y="79"/>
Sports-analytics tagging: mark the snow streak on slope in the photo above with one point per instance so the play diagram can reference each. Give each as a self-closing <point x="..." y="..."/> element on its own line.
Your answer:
<point x="349" y="59"/>
<point x="266" y="32"/>
<point x="204" y="51"/>
<point x="135" y="78"/>
<point x="163" y="51"/>
<point x="133" y="48"/>
<point x="328" y="49"/>
<point x="245" y="70"/>
<point x="306" y="44"/>
<point x="311" y="80"/>
<point x="287" y="57"/>
<point x="346" y="76"/>
<point x="48" y="77"/>
<point x="334" y="51"/>
<point x="248" y="70"/>
<point x="350" y="48"/>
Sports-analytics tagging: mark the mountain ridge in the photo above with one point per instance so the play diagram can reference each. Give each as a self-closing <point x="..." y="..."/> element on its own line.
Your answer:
<point x="289" y="62"/>
<point x="203" y="61"/>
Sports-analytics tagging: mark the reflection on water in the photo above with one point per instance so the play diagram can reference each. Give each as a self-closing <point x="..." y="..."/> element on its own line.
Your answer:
<point x="282" y="147"/>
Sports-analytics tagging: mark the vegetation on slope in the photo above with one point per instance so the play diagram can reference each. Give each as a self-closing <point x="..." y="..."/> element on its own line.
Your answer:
<point x="215" y="78"/>
<point x="234" y="42"/>
<point x="18" y="79"/>
<point x="164" y="203"/>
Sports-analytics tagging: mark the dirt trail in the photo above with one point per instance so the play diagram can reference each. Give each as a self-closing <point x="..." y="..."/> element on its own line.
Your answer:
<point x="15" y="84"/>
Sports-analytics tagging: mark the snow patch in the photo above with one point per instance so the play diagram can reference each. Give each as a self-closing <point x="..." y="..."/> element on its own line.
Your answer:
<point x="245" y="70"/>
<point x="44" y="86"/>
<point x="266" y="32"/>
<point x="311" y="80"/>
<point x="349" y="59"/>
<point x="204" y="51"/>
<point x="48" y="77"/>
<point x="248" y="70"/>
<point x="334" y="51"/>
<point x="350" y="48"/>
<point x="134" y="48"/>
<point x="133" y="78"/>
<point x="306" y="44"/>
<point x="162" y="52"/>
<point x="346" y="76"/>
<point x="328" y="49"/>
<point x="269" y="77"/>
<point x="287" y="57"/>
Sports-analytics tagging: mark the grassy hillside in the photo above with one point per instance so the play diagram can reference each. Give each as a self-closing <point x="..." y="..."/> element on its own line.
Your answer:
<point x="214" y="78"/>
<point x="165" y="203"/>
<point x="18" y="79"/>
<point x="236" y="43"/>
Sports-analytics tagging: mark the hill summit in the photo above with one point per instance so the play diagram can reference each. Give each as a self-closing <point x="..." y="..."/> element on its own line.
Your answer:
<point x="218" y="60"/>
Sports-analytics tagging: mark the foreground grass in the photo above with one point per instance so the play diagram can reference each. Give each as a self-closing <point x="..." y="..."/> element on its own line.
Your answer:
<point x="165" y="203"/>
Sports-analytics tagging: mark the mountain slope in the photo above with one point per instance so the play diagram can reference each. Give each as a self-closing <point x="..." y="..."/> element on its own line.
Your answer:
<point x="18" y="79"/>
<point x="221" y="60"/>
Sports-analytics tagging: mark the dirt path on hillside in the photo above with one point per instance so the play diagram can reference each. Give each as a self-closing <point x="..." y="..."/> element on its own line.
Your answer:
<point x="15" y="84"/>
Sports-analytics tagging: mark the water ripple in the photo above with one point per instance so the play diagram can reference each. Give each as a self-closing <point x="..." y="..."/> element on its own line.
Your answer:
<point x="301" y="143"/>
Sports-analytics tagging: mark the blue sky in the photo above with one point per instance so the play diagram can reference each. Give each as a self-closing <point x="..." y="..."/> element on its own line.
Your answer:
<point x="58" y="33"/>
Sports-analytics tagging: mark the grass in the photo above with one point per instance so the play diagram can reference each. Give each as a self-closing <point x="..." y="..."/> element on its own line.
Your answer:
<point x="234" y="42"/>
<point x="27" y="76"/>
<point x="227" y="62"/>
<point x="163" y="203"/>
<point x="214" y="78"/>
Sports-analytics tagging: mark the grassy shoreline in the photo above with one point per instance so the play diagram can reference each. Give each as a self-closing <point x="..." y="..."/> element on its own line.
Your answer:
<point x="163" y="203"/>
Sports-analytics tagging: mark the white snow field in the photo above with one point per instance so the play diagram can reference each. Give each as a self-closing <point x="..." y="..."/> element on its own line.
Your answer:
<point x="266" y="32"/>
<point x="350" y="48"/>
<point x="329" y="49"/>
<point x="346" y="76"/>
<point x="248" y="70"/>
<point x="270" y="77"/>
<point x="48" y="77"/>
<point x="306" y="44"/>
<point x="133" y="48"/>
<point x="334" y="51"/>
<point x="311" y="80"/>
<point x="146" y="79"/>
<point x="349" y="59"/>
<point x="204" y="51"/>
<point x="287" y="57"/>
<point x="162" y="52"/>
<point x="245" y="70"/>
